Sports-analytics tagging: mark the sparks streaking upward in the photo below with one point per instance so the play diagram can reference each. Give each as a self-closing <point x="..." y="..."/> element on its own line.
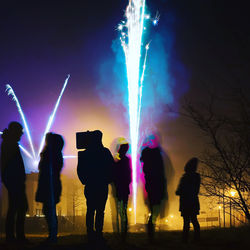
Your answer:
<point x="131" y="41"/>
<point x="34" y="156"/>
<point x="10" y="91"/>
<point x="51" y="118"/>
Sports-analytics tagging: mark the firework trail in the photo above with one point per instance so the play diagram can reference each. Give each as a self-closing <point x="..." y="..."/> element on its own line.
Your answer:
<point x="51" y="118"/>
<point x="34" y="156"/>
<point x="26" y="151"/>
<point x="131" y="41"/>
<point x="11" y="92"/>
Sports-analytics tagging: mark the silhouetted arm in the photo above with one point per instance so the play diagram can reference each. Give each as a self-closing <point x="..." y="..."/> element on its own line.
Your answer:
<point x="81" y="168"/>
<point x="3" y="162"/>
<point x="111" y="166"/>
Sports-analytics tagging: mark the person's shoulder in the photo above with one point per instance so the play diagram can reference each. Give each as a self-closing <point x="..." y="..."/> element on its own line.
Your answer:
<point x="146" y="149"/>
<point x="184" y="176"/>
<point x="106" y="150"/>
<point x="126" y="158"/>
<point x="44" y="154"/>
<point x="158" y="149"/>
<point x="197" y="175"/>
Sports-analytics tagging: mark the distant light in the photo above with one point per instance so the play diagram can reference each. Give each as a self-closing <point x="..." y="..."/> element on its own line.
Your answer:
<point x="147" y="16"/>
<point x="130" y="209"/>
<point x="155" y="22"/>
<point x="149" y="214"/>
<point x="27" y="215"/>
<point x="1" y="132"/>
<point x="171" y="216"/>
<point x="232" y="193"/>
<point x="166" y="220"/>
<point x="219" y="207"/>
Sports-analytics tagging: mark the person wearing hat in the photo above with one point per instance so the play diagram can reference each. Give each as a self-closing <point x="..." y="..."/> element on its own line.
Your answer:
<point x="13" y="177"/>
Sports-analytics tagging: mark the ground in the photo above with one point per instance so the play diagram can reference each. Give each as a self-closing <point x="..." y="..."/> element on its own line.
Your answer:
<point x="237" y="238"/>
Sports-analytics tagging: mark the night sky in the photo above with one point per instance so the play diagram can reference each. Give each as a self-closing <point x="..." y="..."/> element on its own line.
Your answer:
<point x="198" y="45"/>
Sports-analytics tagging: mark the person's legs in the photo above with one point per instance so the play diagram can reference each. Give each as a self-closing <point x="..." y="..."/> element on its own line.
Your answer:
<point x="196" y="226"/>
<point x="101" y="203"/>
<point x="10" y="218"/>
<point x="51" y="218"/>
<point x="21" y="213"/>
<point x="154" y="210"/>
<point x="124" y="217"/>
<point x="90" y="218"/>
<point x="150" y="226"/>
<point x="186" y="226"/>
<point x="155" y="213"/>
<point x="90" y="202"/>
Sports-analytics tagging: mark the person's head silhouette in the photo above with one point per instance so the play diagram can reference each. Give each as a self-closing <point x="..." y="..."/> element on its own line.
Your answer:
<point x="96" y="139"/>
<point x="123" y="149"/>
<point x="15" y="130"/>
<point x="191" y="165"/>
<point x="59" y="142"/>
<point x="54" y="141"/>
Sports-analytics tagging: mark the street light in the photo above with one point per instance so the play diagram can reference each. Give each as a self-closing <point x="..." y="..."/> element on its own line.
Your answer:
<point x="219" y="208"/>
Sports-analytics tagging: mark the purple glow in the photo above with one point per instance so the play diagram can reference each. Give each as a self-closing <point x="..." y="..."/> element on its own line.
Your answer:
<point x="35" y="156"/>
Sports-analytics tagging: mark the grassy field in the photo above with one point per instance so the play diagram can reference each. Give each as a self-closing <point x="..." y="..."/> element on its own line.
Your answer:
<point x="237" y="238"/>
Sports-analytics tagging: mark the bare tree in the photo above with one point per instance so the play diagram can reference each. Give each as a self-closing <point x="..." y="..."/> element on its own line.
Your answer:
<point x="225" y="126"/>
<point x="76" y="197"/>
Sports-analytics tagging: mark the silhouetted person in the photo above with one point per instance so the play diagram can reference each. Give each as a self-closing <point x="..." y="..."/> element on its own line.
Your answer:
<point x="13" y="177"/>
<point x="188" y="191"/>
<point x="155" y="181"/>
<point x="49" y="183"/>
<point x="95" y="168"/>
<point x="122" y="180"/>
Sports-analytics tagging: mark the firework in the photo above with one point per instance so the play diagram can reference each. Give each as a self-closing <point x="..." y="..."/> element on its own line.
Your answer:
<point x="52" y="117"/>
<point x="11" y="92"/>
<point x="131" y="40"/>
<point x="35" y="156"/>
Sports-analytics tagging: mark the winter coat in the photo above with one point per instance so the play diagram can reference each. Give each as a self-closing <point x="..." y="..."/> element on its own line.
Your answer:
<point x="12" y="166"/>
<point x="122" y="178"/>
<point x="49" y="182"/>
<point x="95" y="167"/>
<point x="153" y="168"/>
<point x="188" y="191"/>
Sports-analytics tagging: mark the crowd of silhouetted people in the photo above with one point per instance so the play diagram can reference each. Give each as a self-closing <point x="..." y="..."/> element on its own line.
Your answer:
<point x="96" y="169"/>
